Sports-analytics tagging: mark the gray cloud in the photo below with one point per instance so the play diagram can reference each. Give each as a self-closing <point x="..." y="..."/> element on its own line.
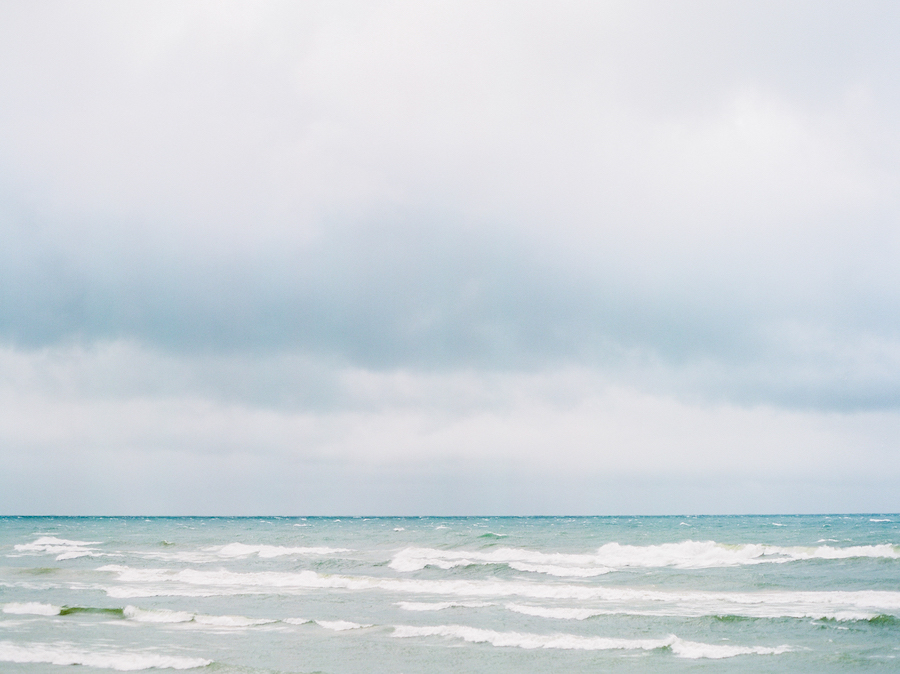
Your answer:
<point x="348" y="227"/>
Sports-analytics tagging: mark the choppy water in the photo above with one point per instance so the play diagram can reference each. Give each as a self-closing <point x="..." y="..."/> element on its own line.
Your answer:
<point x="652" y="594"/>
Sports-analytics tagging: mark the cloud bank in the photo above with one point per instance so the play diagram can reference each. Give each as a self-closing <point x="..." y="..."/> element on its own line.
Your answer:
<point x="455" y="258"/>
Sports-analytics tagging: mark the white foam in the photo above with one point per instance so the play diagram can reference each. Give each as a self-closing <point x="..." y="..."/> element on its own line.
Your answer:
<point x="230" y="620"/>
<point x="694" y="650"/>
<point x="683" y="555"/>
<point x="156" y="615"/>
<point x="561" y="571"/>
<point x="122" y="661"/>
<point x="558" y="564"/>
<point x="63" y="548"/>
<point x="558" y="613"/>
<point x="816" y="604"/>
<point x="167" y="616"/>
<point x="31" y="608"/>
<point x="878" y="520"/>
<point x="440" y="605"/>
<point x="75" y="554"/>
<point x="270" y="551"/>
<point x="681" y="648"/>
<point x="298" y="621"/>
<point x="339" y="625"/>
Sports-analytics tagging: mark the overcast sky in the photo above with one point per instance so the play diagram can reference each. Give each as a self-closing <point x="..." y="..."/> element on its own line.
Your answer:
<point x="449" y="257"/>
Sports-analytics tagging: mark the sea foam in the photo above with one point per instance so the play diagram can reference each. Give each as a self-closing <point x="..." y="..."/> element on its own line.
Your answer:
<point x="270" y="551"/>
<point x="32" y="608"/>
<point x="680" y="647"/>
<point x="61" y="547"/>
<point x="167" y="616"/>
<point x="612" y="556"/>
<point x="339" y="625"/>
<point x="191" y="582"/>
<point x="122" y="661"/>
<point x="441" y="605"/>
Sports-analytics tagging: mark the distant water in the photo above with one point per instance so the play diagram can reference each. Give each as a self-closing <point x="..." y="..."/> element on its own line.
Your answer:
<point x="406" y="595"/>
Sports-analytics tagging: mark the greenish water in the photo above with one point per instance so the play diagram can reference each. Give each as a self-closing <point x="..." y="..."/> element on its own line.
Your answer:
<point x="404" y="595"/>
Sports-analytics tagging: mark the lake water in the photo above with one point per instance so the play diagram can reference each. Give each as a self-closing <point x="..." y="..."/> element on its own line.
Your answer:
<point x="482" y="594"/>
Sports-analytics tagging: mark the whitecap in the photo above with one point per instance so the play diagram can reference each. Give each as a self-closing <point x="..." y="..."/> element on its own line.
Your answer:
<point x="63" y="548"/>
<point x="694" y="650"/>
<point x="440" y="605"/>
<point x="681" y="648"/>
<point x="156" y="615"/>
<point x="51" y="544"/>
<point x="558" y="613"/>
<point x="819" y="604"/>
<point x="339" y="625"/>
<point x="270" y="551"/>
<point x="167" y="616"/>
<point x="561" y="571"/>
<point x="230" y="620"/>
<point x="558" y="564"/>
<point x="31" y="608"/>
<point x="122" y="661"/>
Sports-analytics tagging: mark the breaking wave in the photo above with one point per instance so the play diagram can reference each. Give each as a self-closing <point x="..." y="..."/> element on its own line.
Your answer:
<point x="440" y="605"/>
<point x="680" y="647"/>
<point x="843" y="605"/>
<point x="613" y="556"/>
<point x="61" y="547"/>
<point x="32" y="608"/>
<point x="122" y="661"/>
<point x="167" y="616"/>
<point x="270" y="551"/>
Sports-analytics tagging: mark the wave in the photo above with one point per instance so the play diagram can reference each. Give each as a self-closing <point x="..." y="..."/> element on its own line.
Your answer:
<point x="558" y="564"/>
<point x="270" y="551"/>
<point x="441" y="605"/>
<point x="137" y="614"/>
<point x="680" y="647"/>
<point x="558" y="613"/>
<point x="31" y="608"/>
<point x="339" y="625"/>
<point x="613" y="556"/>
<point x="122" y="661"/>
<point x="844" y="605"/>
<point x="335" y="625"/>
<point x="63" y="548"/>
<point x="764" y="610"/>
<point x="167" y="616"/>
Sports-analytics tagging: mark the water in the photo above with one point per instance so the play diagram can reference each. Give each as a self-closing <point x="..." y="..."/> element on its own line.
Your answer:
<point x="405" y="595"/>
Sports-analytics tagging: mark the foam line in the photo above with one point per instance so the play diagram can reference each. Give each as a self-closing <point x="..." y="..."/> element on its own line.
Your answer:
<point x="612" y="556"/>
<point x="31" y="608"/>
<point x="680" y="647"/>
<point x="270" y="551"/>
<point x="122" y="661"/>
<point x="191" y="582"/>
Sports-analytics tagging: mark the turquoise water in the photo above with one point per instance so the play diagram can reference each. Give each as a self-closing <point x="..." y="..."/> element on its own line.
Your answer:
<point x="404" y="595"/>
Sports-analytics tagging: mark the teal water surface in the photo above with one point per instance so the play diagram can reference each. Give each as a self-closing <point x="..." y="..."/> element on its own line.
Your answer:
<point x="404" y="595"/>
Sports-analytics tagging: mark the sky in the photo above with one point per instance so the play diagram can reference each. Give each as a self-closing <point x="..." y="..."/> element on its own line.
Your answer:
<point x="449" y="258"/>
